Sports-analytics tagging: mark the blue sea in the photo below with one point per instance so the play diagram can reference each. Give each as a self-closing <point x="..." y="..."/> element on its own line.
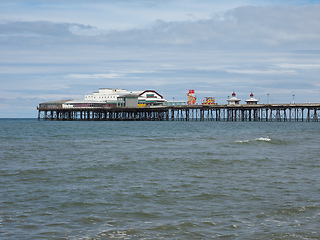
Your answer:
<point x="159" y="180"/>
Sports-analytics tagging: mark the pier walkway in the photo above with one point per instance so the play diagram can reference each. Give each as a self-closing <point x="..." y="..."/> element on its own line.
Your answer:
<point x="261" y="112"/>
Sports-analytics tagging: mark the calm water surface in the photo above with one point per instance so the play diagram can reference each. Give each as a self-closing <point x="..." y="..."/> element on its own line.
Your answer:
<point x="159" y="180"/>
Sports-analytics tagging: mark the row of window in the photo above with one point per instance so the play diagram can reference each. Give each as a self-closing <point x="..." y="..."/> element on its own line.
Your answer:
<point x="115" y="97"/>
<point x="103" y="97"/>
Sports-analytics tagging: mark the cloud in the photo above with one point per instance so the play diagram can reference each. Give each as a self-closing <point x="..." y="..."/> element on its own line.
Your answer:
<point x="300" y="66"/>
<point x="43" y="28"/>
<point x="264" y="72"/>
<point x="95" y="76"/>
<point x="41" y="33"/>
<point x="244" y="27"/>
<point x="115" y="15"/>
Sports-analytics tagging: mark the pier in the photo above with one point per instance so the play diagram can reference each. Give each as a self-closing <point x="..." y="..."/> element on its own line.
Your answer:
<point x="308" y="112"/>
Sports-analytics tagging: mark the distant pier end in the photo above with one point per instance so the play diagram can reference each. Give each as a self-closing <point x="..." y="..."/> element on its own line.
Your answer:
<point x="58" y="111"/>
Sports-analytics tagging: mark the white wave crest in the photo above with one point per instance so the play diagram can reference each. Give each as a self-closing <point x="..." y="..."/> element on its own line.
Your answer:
<point x="267" y="139"/>
<point x="242" y="141"/>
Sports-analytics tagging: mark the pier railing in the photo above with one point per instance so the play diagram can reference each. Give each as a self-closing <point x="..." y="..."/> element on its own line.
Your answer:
<point x="260" y="112"/>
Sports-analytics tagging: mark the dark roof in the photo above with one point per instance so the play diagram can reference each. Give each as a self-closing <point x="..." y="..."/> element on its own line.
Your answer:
<point x="130" y="95"/>
<point x="151" y="91"/>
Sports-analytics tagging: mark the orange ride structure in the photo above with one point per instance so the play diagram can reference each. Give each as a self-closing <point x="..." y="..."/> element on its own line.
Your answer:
<point x="191" y="98"/>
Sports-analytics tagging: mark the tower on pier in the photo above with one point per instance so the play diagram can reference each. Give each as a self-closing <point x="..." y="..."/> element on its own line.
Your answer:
<point x="252" y="100"/>
<point x="233" y="100"/>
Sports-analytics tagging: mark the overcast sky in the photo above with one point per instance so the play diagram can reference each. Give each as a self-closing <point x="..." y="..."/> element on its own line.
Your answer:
<point x="64" y="49"/>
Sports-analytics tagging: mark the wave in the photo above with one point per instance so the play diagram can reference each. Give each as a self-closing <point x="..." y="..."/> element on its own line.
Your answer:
<point x="267" y="139"/>
<point x="256" y="140"/>
<point x="260" y="139"/>
<point x="242" y="141"/>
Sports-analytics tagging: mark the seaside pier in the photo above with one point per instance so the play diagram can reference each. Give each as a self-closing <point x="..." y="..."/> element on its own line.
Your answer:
<point x="309" y="112"/>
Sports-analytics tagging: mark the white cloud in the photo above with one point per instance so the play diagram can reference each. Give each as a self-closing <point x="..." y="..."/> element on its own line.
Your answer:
<point x="256" y="71"/>
<point x="95" y="76"/>
<point x="299" y="66"/>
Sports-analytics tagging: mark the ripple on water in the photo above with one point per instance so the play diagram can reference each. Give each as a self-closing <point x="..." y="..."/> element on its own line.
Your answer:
<point x="155" y="180"/>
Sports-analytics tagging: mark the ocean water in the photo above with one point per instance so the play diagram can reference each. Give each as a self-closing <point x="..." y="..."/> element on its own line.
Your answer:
<point x="159" y="180"/>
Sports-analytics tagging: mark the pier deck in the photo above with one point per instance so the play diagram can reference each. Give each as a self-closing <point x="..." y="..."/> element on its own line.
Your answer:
<point x="260" y="112"/>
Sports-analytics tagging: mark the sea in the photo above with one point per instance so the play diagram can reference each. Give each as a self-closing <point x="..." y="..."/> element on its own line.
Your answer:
<point x="159" y="180"/>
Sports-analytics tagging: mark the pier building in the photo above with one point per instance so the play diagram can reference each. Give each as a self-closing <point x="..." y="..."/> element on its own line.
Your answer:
<point x="128" y="100"/>
<point x="112" y="96"/>
<point x="233" y="100"/>
<point x="252" y="100"/>
<point x="82" y="104"/>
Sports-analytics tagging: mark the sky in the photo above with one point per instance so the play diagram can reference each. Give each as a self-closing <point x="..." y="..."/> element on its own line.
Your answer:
<point x="65" y="49"/>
